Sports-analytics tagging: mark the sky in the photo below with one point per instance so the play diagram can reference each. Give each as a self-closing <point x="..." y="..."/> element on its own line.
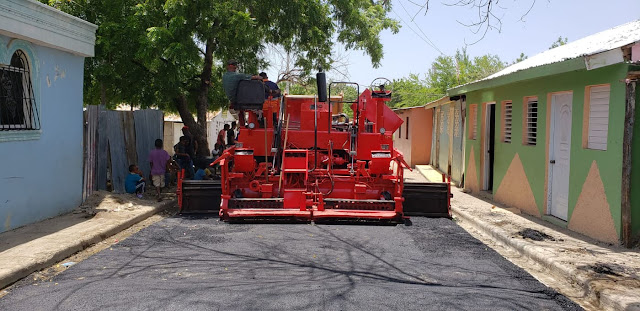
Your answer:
<point x="409" y="52"/>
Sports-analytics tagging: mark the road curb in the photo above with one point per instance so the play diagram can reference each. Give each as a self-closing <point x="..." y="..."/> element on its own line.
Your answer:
<point x="545" y="258"/>
<point x="80" y="244"/>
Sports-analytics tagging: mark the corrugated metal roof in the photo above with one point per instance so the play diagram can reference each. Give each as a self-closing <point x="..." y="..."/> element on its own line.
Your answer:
<point x="431" y="103"/>
<point x="607" y="40"/>
<point x="407" y="108"/>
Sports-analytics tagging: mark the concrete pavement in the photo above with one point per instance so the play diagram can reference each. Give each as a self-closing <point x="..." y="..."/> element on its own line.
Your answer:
<point x="609" y="276"/>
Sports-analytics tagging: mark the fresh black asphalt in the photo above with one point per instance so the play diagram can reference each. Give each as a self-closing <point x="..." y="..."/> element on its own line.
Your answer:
<point x="196" y="263"/>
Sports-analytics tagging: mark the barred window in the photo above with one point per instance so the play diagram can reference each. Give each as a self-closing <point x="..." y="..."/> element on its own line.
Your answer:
<point x="532" y="122"/>
<point x="18" y="110"/>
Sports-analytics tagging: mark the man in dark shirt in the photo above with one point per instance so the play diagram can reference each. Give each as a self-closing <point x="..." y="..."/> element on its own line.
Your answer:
<point x="184" y="159"/>
<point x="192" y="144"/>
<point x="231" y="134"/>
<point x="271" y="88"/>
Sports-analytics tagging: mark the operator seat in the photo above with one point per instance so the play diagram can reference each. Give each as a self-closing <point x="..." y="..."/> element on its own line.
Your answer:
<point x="250" y="95"/>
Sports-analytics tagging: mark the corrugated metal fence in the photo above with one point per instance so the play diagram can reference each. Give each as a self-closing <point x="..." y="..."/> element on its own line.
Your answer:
<point x="115" y="139"/>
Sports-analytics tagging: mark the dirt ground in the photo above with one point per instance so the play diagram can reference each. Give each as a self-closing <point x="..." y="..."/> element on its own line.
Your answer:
<point x="104" y="201"/>
<point x="605" y="267"/>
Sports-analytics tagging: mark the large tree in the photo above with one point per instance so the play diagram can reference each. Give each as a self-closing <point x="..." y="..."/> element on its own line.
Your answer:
<point x="169" y="53"/>
<point x="449" y="71"/>
<point x="412" y="91"/>
<point x="559" y="42"/>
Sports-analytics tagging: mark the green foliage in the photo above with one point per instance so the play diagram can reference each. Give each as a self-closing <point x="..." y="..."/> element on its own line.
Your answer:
<point x="520" y="58"/>
<point x="348" y="92"/>
<point x="411" y="91"/>
<point x="559" y="42"/>
<point x="449" y="71"/>
<point x="148" y="52"/>
<point x="108" y="77"/>
<point x="446" y="72"/>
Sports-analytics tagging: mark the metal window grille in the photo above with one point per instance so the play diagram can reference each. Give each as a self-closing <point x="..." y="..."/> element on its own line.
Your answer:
<point x="508" y="121"/>
<point x="532" y="121"/>
<point x="18" y="110"/>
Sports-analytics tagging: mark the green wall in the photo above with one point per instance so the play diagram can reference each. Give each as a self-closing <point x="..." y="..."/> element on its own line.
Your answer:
<point x="533" y="157"/>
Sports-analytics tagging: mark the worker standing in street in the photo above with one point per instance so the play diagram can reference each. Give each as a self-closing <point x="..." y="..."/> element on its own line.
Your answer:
<point x="192" y="145"/>
<point x="184" y="160"/>
<point x="158" y="159"/>
<point x="231" y="135"/>
<point x="222" y="135"/>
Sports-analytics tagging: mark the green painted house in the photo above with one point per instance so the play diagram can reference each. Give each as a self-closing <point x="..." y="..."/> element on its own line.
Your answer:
<point x="557" y="136"/>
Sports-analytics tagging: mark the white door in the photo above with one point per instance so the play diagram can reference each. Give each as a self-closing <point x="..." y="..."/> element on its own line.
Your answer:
<point x="560" y="155"/>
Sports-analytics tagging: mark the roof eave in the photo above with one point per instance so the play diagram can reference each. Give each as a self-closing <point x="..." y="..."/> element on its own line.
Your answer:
<point x="573" y="64"/>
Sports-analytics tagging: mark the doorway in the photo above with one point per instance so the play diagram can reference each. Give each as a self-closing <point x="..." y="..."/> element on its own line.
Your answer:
<point x="489" y="144"/>
<point x="559" y="155"/>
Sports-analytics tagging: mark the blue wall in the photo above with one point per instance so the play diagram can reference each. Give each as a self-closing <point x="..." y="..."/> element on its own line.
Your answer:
<point x="41" y="178"/>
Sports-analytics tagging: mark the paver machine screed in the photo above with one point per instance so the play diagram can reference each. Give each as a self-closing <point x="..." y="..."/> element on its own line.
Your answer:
<point x="299" y="157"/>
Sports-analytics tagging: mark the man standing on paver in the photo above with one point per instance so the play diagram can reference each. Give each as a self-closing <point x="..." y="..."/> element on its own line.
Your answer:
<point x="230" y="80"/>
<point x="158" y="159"/>
<point x="271" y="88"/>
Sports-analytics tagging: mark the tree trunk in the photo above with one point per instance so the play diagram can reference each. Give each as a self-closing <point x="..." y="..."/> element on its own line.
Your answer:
<point x="627" y="144"/>
<point x="199" y="128"/>
<point x="103" y="95"/>
<point x="202" y="101"/>
<point x="199" y="133"/>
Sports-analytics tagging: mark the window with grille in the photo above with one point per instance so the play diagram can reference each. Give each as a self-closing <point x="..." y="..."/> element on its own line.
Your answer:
<point x="406" y="133"/>
<point x="473" y="117"/>
<point x="598" y="117"/>
<point x="531" y="122"/>
<point x="18" y="110"/>
<point x="507" y="121"/>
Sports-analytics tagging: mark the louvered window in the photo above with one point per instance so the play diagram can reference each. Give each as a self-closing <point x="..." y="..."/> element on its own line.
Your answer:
<point x="18" y="110"/>
<point x="507" y="122"/>
<point x="532" y="122"/>
<point x="598" y="117"/>
<point x="473" y="116"/>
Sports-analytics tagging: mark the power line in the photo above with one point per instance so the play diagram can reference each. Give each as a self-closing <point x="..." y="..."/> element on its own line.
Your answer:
<point x="424" y="36"/>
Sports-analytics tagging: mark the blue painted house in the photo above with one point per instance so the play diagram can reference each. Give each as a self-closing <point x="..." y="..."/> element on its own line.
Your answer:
<point x="42" y="53"/>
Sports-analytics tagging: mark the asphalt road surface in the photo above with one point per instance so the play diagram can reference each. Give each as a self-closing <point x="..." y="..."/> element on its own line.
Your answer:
<point x="185" y="263"/>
